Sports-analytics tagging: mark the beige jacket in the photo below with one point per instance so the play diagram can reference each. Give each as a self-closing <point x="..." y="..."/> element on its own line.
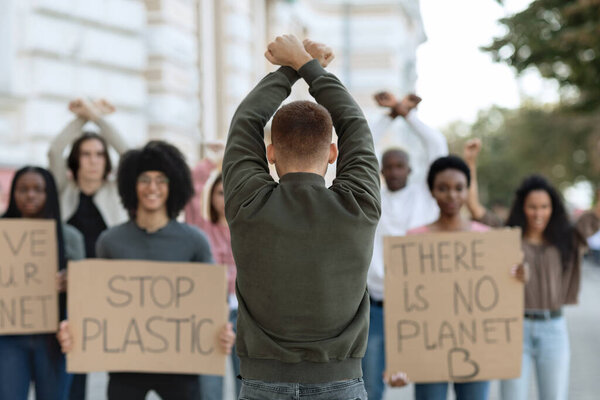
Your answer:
<point x="106" y="198"/>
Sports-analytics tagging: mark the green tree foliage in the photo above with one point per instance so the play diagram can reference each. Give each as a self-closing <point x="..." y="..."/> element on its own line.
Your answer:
<point x="560" y="144"/>
<point x="561" y="39"/>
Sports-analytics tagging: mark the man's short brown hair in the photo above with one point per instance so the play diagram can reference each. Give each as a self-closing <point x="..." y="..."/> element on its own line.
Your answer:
<point x="301" y="131"/>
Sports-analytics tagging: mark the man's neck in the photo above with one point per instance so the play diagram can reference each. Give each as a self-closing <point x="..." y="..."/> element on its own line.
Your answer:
<point x="89" y="187"/>
<point x="151" y="221"/>
<point x="303" y="170"/>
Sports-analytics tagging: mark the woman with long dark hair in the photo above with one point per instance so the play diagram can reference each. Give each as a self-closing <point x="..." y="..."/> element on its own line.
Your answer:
<point x="37" y="357"/>
<point x="89" y="197"/>
<point x="551" y="246"/>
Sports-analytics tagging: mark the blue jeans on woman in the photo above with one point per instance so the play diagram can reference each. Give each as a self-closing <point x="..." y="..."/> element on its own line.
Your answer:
<point x="37" y="358"/>
<point x="545" y="348"/>
<point x="464" y="391"/>
<point x="352" y="389"/>
<point x="211" y="386"/>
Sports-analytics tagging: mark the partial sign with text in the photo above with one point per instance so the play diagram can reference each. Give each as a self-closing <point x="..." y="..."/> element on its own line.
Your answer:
<point x="146" y="316"/>
<point x="28" y="267"/>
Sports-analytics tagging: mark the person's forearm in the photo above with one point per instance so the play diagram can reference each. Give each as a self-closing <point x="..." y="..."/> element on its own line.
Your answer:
<point x="244" y="156"/>
<point x="434" y="141"/>
<point x="379" y="127"/>
<point x="56" y="160"/>
<point x="475" y="207"/>
<point x="112" y="136"/>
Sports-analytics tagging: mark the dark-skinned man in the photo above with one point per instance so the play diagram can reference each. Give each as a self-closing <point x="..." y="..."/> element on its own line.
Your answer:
<point x="404" y="205"/>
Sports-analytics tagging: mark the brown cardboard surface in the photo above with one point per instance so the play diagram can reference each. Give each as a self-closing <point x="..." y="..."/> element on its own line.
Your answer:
<point x="146" y="316"/>
<point x="28" y="266"/>
<point x="452" y="310"/>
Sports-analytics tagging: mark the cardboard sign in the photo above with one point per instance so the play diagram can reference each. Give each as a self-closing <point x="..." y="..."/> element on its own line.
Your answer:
<point x="453" y="312"/>
<point x="146" y="316"/>
<point x="28" y="266"/>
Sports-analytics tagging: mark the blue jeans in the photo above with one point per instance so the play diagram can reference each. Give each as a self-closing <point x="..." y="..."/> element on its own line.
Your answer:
<point x="545" y="348"/>
<point x="463" y="391"/>
<point x="211" y="386"/>
<point x="353" y="389"/>
<point x="37" y="358"/>
<point x="373" y="364"/>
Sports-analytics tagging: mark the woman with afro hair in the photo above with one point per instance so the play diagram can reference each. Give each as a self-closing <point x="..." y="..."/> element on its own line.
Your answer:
<point x="154" y="185"/>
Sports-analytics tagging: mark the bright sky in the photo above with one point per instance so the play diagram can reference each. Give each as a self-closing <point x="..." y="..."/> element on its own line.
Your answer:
<point x="455" y="78"/>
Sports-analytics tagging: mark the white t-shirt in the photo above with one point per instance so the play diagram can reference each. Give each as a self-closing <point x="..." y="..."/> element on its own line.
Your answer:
<point x="407" y="208"/>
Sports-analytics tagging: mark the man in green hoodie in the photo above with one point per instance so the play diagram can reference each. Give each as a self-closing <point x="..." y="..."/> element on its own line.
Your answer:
<point x="302" y="250"/>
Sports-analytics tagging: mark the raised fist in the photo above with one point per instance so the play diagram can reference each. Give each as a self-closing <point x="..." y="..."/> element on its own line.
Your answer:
<point x="84" y="109"/>
<point x="385" y="99"/>
<point x="104" y="106"/>
<point x="287" y="50"/>
<point x="471" y="150"/>
<point x="319" y="51"/>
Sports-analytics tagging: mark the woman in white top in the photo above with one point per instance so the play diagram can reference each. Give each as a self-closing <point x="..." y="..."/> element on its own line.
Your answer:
<point x="89" y="200"/>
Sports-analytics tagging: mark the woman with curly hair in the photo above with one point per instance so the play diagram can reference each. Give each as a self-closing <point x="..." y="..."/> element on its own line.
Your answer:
<point x="37" y="357"/>
<point x="551" y="246"/>
<point x="154" y="185"/>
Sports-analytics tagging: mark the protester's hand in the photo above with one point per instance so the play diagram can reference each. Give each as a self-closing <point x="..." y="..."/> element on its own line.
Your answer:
<point x="471" y="151"/>
<point x="215" y="146"/>
<point x="287" y="50"/>
<point x="214" y="150"/>
<point x="521" y="272"/>
<point x="321" y="52"/>
<point x="64" y="336"/>
<point x="410" y="101"/>
<point x="76" y="106"/>
<point x="227" y="338"/>
<point x="385" y="99"/>
<point x="399" y="379"/>
<point x="84" y="109"/>
<point x="104" y="106"/>
<point x="61" y="280"/>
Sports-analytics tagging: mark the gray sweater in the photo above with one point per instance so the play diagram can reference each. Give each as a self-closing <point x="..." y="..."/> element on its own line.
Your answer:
<point x="175" y="242"/>
<point x="302" y="250"/>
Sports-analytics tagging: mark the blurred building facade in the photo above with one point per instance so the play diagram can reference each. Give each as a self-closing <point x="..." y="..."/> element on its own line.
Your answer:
<point x="176" y="69"/>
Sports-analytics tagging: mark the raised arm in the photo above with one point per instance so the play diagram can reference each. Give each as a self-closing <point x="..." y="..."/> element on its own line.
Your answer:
<point x="245" y="167"/>
<point x="56" y="159"/>
<point x="112" y="136"/>
<point x="96" y="111"/>
<point x="477" y="210"/>
<point x="85" y="111"/>
<point x="357" y="166"/>
<point x="434" y="141"/>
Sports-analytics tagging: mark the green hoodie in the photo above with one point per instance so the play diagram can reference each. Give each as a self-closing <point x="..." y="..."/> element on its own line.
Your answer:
<point x="302" y="250"/>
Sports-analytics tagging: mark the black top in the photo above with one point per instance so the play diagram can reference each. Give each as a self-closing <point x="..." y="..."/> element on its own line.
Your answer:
<point x="90" y="223"/>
